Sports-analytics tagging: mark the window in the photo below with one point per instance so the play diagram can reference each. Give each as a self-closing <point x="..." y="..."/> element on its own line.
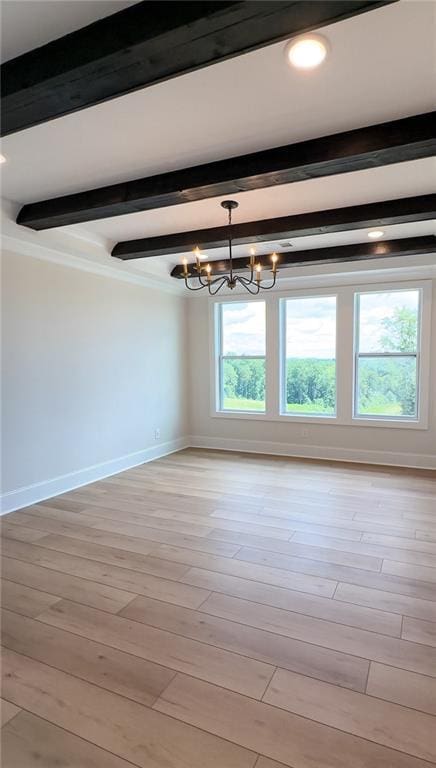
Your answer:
<point x="242" y="356"/>
<point x="386" y="359"/>
<point x="309" y="356"/>
<point x="350" y="355"/>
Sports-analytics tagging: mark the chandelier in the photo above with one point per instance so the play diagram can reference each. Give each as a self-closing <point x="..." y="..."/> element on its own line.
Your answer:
<point x="203" y="274"/>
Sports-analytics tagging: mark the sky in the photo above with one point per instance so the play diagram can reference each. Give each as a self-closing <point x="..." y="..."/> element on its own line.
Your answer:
<point x="311" y="327"/>
<point x="244" y="328"/>
<point x="310" y="324"/>
<point x="374" y="307"/>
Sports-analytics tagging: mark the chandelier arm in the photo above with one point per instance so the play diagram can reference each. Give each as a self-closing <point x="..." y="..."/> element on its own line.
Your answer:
<point x="221" y="281"/>
<point x="200" y="287"/>
<point x="268" y="287"/>
<point x="203" y="282"/>
<point x="245" y="280"/>
<point x="246" y="284"/>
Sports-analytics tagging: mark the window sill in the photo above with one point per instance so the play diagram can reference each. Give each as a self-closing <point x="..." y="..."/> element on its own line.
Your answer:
<point x="385" y="421"/>
<point x="326" y="420"/>
<point x="265" y="416"/>
<point x="257" y="415"/>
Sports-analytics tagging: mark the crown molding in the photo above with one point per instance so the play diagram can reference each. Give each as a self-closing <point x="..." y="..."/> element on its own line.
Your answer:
<point x="90" y="253"/>
<point x="77" y="251"/>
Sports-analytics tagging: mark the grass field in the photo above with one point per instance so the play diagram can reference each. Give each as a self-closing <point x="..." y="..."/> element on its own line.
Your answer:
<point x="310" y="408"/>
<point x="386" y="409"/>
<point x="240" y="404"/>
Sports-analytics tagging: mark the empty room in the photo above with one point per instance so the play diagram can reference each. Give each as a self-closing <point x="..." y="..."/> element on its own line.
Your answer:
<point x="218" y="413"/>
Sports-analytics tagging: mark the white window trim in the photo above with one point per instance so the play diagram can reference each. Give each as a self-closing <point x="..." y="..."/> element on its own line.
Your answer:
<point x="422" y="359"/>
<point x="221" y="357"/>
<point x="345" y="357"/>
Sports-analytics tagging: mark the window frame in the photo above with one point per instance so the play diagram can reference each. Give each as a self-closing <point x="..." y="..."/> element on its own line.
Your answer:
<point x="324" y="417"/>
<point x="422" y="357"/>
<point x="345" y="355"/>
<point x="221" y="357"/>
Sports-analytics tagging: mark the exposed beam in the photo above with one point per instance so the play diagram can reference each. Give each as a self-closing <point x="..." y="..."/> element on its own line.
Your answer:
<point x="408" y="246"/>
<point x="147" y="43"/>
<point x="407" y="139"/>
<point x="379" y="214"/>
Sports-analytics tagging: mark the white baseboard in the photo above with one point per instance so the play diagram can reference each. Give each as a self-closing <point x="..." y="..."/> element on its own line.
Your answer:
<point x="32" y="494"/>
<point x="387" y="458"/>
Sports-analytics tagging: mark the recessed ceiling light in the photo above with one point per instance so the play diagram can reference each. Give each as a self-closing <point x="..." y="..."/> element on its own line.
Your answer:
<point x="307" y="52"/>
<point x="375" y="234"/>
<point x="2" y="159"/>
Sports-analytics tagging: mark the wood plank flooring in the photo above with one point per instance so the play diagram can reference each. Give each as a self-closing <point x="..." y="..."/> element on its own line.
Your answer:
<point x="222" y="610"/>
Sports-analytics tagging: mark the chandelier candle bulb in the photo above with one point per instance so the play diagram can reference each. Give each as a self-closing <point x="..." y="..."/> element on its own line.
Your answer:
<point x="208" y="271"/>
<point x="274" y="262"/>
<point x="258" y="272"/>
<point x="197" y="258"/>
<point x="252" y="253"/>
<point x="185" y="266"/>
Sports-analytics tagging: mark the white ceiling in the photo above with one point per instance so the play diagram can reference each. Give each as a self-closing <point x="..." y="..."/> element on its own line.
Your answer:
<point x="382" y="66"/>
<point x="27" y="24"/>
<point x="388" y="182"/>
<point x="162" y="265"/>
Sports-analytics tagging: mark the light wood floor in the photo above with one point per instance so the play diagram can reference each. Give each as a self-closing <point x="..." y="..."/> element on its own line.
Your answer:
<point x="216" y="610"/>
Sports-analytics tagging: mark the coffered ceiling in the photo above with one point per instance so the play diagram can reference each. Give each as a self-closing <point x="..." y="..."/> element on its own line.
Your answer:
<point x="382" y="66"/>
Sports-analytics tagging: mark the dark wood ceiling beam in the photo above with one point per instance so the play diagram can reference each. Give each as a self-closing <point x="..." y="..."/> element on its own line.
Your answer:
<point x="403" y="210"/>
<point x="409" y="138"/>
<point x="147" y="43"/>
<point x="409" y="246"/>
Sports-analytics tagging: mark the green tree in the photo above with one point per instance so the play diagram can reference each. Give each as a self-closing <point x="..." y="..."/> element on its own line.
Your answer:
<point x="384" y="383"/>
<point x="244" y="379"/>
<point x="400" y="331"/>
<point x="311" y="382"/>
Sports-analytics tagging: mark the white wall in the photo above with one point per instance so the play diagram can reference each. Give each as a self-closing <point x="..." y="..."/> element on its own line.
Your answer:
<point x="91" y="367"/>
<point x="387" y="445"/>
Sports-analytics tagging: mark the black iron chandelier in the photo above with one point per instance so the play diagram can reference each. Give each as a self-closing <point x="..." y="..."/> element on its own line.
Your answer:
<point x="203" y="274"/>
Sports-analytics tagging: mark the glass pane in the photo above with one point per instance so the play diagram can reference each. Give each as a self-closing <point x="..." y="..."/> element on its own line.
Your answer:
<point x="243" y="328"/>
<point x="310" y="376"/>
<point x="243" y="384"/>
<point x="386" y="386"/>
<point x="388" y="322"/>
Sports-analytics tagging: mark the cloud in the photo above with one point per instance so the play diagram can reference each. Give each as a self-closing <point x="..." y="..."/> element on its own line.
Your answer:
<point x="375" y="307"/>
<point x="310" y="324"/>
<point x="311" y="327"/>
<point x="244" y="328"/>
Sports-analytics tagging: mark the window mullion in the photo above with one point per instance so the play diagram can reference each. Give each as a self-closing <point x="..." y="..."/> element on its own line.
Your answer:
<point x="344" y="355"/>
<point x="272" y="358"/>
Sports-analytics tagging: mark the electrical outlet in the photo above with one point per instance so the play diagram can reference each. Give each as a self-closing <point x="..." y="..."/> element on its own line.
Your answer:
<point x="157" y="434"/>
<point x="304" y="432"/>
